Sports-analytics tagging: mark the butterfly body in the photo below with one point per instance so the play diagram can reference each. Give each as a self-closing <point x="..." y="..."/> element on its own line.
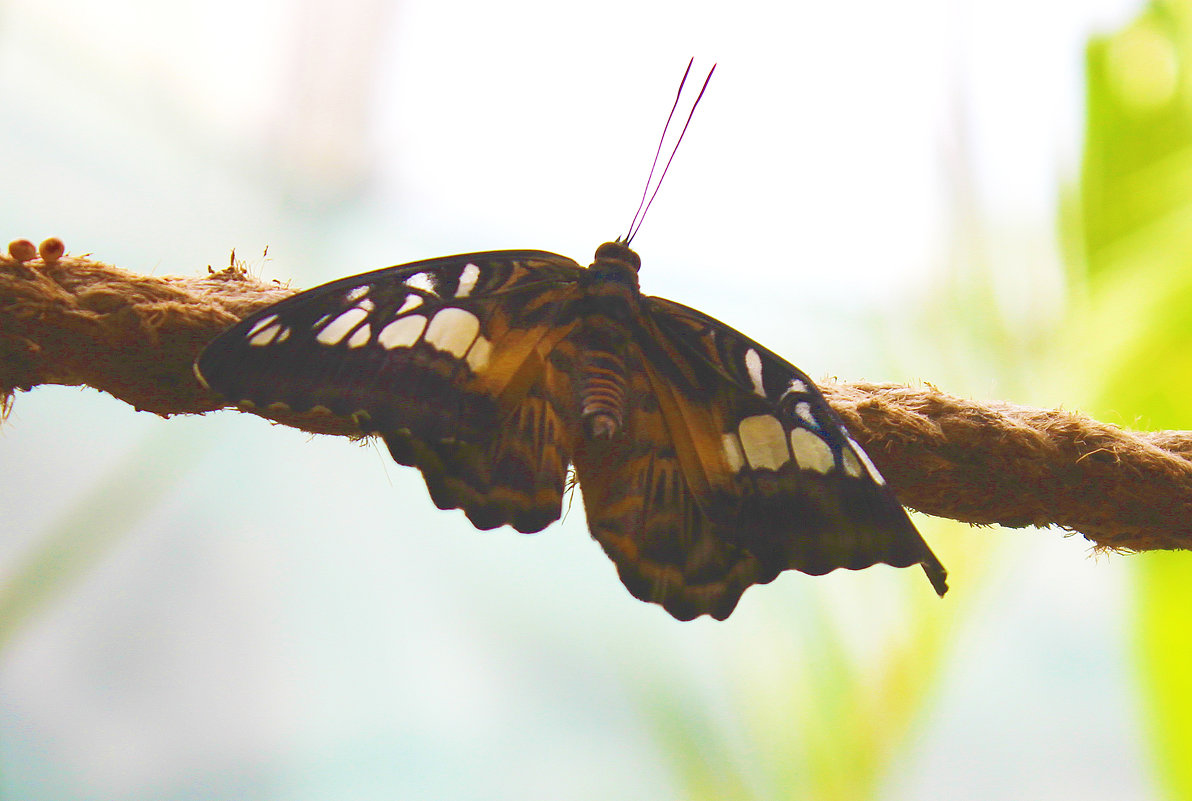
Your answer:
<point x="706" y="462"/>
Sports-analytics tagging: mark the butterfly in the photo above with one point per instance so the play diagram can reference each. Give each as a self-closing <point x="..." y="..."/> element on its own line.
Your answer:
<point x="706" y="463"/>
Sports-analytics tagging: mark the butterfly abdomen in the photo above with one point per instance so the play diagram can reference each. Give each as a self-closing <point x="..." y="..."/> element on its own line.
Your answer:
<point x="602" y="394"/>
<point x="600" y="365"/>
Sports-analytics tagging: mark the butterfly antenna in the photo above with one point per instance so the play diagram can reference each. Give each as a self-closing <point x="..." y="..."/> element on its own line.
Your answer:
<point x="661" y="142"/>
<point x="644" y="206"/>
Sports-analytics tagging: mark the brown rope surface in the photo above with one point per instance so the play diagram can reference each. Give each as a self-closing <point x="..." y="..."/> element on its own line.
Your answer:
<point x="74" y="321"/>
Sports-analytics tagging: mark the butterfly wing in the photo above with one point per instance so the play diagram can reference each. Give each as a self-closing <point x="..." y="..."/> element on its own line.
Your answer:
<point x="730" y="467"/>
<point x="445" y="359"/>
<point x="734" y="469"/>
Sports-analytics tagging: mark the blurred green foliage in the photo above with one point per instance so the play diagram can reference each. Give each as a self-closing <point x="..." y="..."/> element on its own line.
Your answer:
<point x="1134" y="335"/>
<point x="841" y="696"/>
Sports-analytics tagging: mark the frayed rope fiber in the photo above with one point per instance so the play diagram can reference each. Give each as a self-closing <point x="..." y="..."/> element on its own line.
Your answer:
<point x="74" y="321"/>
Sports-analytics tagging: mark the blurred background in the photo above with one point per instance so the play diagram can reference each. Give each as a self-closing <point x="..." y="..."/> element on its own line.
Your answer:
<point x="995" y="197"/>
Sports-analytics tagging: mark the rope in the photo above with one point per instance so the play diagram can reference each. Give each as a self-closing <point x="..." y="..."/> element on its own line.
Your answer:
<point x="74" y="321"/>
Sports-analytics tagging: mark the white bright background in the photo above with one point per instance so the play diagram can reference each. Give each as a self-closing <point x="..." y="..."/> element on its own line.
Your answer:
<point x="248" y="613"/>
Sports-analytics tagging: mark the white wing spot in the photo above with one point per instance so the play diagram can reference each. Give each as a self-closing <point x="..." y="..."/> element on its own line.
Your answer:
<point x="360" y="337"/>
<point x="753" y="363"/>
<point x="869" y="465"/>
<point x="263" y="322"/>
<point x="266" y="335"/>
<point x="764" y="441"/>
<point x="421" y="281"/>
<point x="411" y="302"/>
<point x="341" y="326"/>
<point x="402" y="333"/>
<point x="366" y="304"/>
<point x="803" y="409"/>
<point x="453" y="330"/>
<point x="733" y="452"/>
<point x="851" y="465"/>
<point x="356" y="293"/>
<point x="796" y="385"/>
<point x="478" y="354"/>
<point x="467" y="280"/>
<point x="283" y="336"/>
<point x="811" y="452"/>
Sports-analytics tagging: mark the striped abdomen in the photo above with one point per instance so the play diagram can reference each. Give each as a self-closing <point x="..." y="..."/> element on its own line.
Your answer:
<point x="602" y="393"/>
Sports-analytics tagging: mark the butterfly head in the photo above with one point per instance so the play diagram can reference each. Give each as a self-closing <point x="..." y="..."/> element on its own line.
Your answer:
<point x="615" y="261"/>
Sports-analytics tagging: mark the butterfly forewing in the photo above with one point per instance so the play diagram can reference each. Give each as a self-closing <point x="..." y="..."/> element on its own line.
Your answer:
<point x="444" y="359"/>
<point x="787" y="481"/>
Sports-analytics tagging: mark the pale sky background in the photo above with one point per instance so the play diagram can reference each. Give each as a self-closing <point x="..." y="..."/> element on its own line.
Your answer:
<point x="281" y="617"/>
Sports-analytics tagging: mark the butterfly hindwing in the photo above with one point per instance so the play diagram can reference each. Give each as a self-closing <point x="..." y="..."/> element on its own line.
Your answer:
<point x="515" y="475"/>
<point x="444" y="359"/>
<point x="642" y="497"/>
